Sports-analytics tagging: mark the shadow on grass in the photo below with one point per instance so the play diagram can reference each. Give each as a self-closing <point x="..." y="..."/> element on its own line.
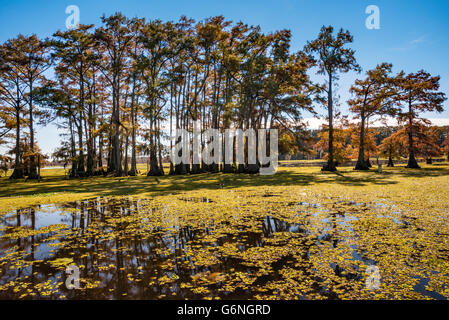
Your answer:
<point x="107" y="186"/>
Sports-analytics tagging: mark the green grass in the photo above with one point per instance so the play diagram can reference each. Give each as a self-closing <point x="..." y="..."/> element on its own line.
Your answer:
<point x="55" y="188"/>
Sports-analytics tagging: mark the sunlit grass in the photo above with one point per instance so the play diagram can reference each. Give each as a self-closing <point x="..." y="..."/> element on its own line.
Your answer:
<point x="398" y="181"/>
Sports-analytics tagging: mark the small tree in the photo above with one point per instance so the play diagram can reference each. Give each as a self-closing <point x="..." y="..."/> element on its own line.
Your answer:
<point x="392" y="148"/>
<point x="342" y="143"/>
<point x="424" y="141"/>
<point x="428" y="146"/>
<point x="287" y="144"/>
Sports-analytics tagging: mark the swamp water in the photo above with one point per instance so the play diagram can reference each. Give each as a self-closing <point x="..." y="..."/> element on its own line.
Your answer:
<point x="201" y="248"/>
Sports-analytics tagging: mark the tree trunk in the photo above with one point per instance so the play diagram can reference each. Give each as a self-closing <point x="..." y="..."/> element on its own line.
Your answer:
<point x="390" y="162"/>
<point x="330" y="166"/>
<point x="18" y="171"/>
<point x="90" y="148"/>
<point x="100" y="150"/>
<point x="100" y="145"/>
<point x="154" y="163"/>
<point x="412" y="163"/>
<point x="80" y="168"/>
<point x="73" y="172"/>
<point x="390" y="158"/>
<point x="368" y="162"/>
<point x="133" y="171"/>
<point x="33" y="171"/>
<point x="159" y="146"/>
<point x="118" y="160"/>
<point x="126" y="156"/>
<point x="361" y="163"/>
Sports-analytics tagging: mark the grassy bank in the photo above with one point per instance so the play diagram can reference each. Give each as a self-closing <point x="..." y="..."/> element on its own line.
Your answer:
<point x="398" y="182"/>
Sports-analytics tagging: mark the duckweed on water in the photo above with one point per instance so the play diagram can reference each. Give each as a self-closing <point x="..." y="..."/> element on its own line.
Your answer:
<point x="252" y="244"/>
<point x="307" y="239"/>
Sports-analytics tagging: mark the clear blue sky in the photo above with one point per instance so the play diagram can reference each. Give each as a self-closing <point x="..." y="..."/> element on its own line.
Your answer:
<point x="414" y="34"/>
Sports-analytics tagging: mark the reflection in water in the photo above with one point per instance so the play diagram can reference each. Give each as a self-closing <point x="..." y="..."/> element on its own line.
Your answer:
<point x="128" y="249"/>
<point x="119" y="252"/>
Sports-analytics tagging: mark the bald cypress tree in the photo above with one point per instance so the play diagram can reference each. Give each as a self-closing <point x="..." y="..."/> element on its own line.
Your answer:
<point x="34" y="61"/>
<point x="418" y="94"/>
<point x="333" y="57"/>
<point x="371" y="96"/>
<point x="12" y="100"/>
